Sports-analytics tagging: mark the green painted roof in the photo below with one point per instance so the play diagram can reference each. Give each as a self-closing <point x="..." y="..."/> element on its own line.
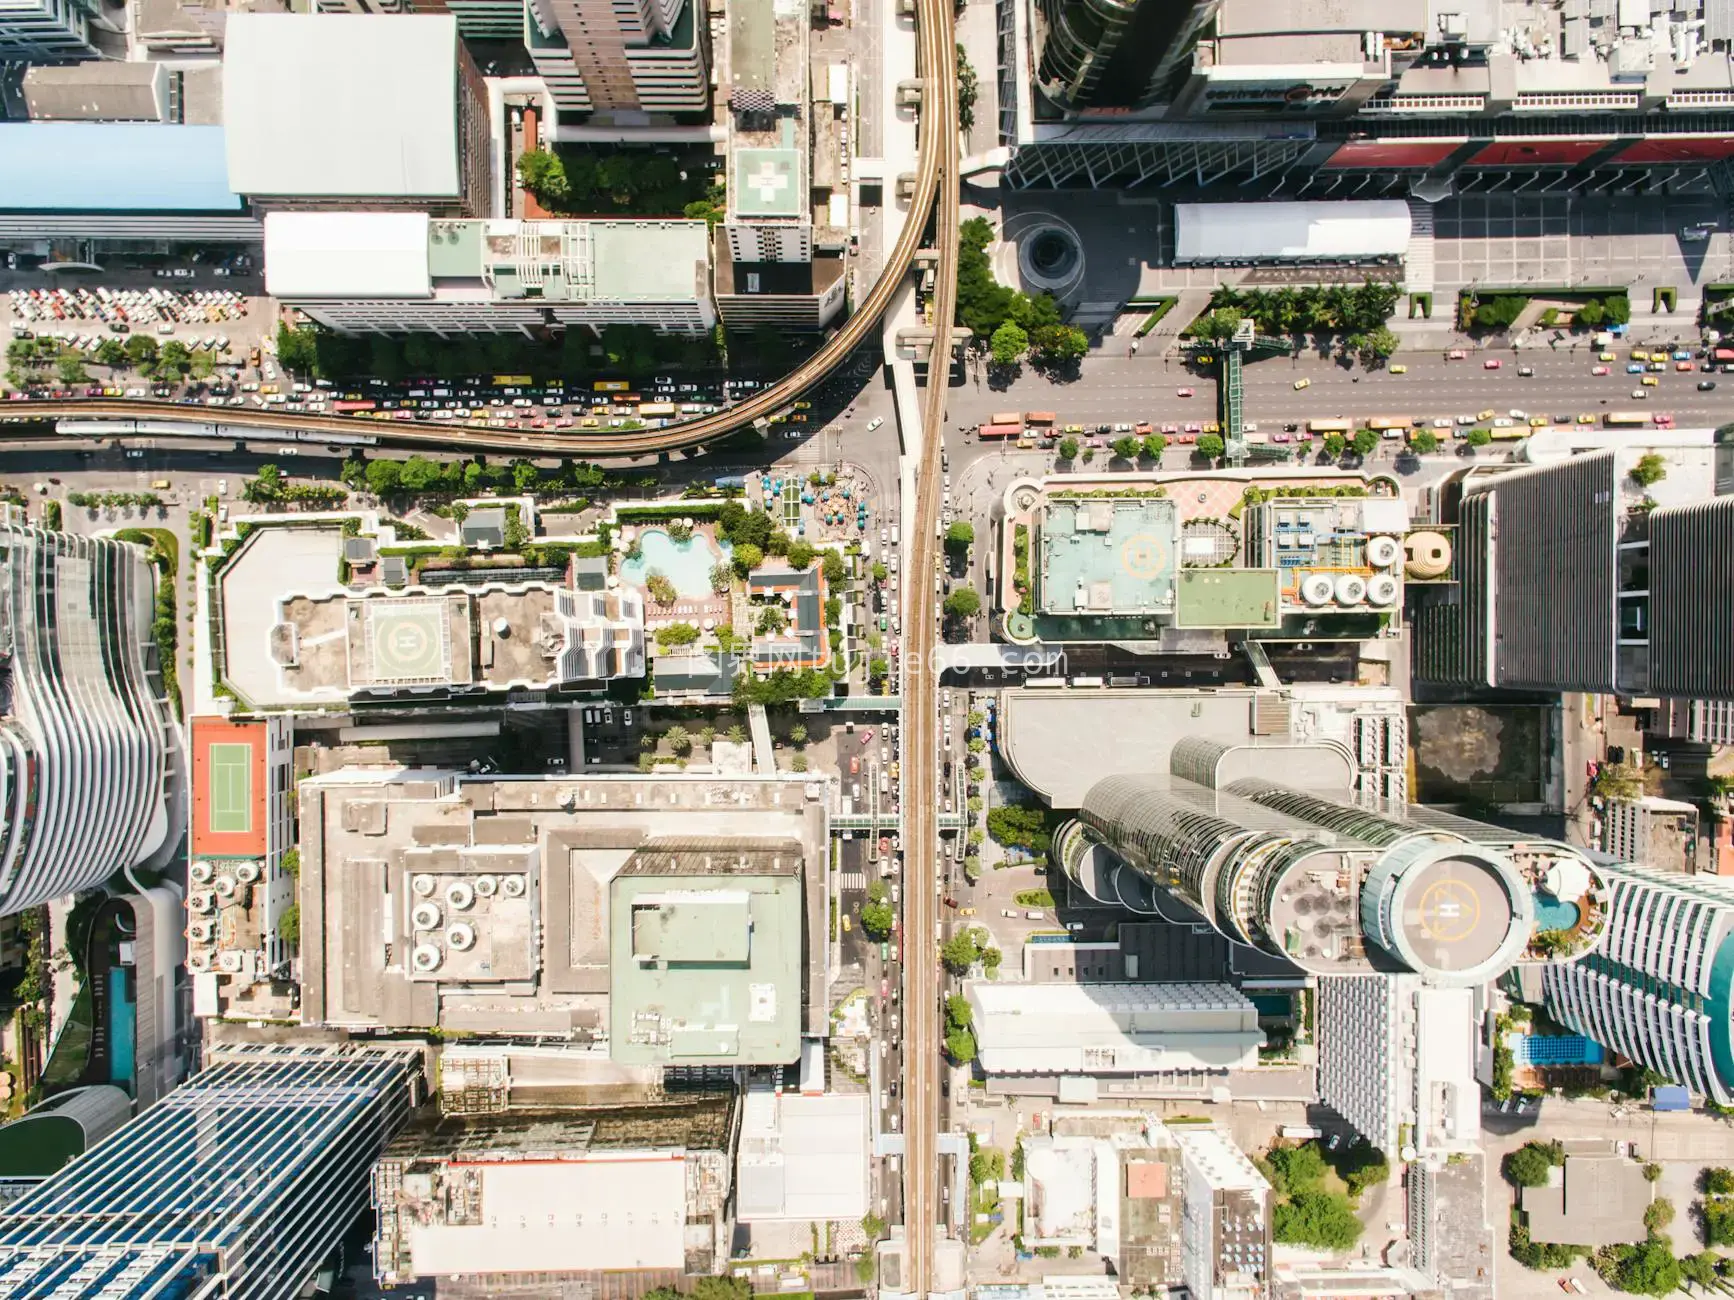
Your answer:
<point x="1228" y="598"/>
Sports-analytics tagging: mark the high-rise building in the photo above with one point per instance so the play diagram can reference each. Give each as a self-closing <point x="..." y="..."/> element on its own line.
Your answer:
<point x="1106" y="54"/>
<point x="89" y="761"/>
<point x="251" y="1171"/>
<point x="1588" y="574"/>
<point x="1337" y="885"/>
<point x="1660" y="988"/>
<point x="632" y="58"/>
<point x="1225" y="1220"/>
<point x="46" y="31"/>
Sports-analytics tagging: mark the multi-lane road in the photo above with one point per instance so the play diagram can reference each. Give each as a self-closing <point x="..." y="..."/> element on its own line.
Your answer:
<point x="1117" y="389"/>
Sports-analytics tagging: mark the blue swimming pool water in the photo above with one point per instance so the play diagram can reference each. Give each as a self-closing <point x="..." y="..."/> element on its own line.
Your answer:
<point x="686" y="564"/>
<point x="1554" y="913"/>
<point x="122" y="1025"/>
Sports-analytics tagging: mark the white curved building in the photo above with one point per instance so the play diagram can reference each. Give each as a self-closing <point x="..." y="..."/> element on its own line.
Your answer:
<point x="87" y="746"/>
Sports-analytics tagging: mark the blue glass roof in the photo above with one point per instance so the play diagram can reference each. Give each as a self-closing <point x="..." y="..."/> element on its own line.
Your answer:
<point x="114" y="167"/>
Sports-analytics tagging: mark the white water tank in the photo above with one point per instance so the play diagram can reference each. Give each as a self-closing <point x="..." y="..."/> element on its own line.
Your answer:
<point x="426" y="916"/>
<point x="512" y="887"/>
<point x="423" y="886"/>
<point x="461" y="936"/>
<point x="1383" y="590"/>
<point x="486" y="886"/>
<point x="426" y="957"/>
<point x="1316" y="589"/>
<point x="201" y="873"/>
<point x="1351" y="589"/>
<point x="460" y="896"/>
<point x="1382" y="552"/>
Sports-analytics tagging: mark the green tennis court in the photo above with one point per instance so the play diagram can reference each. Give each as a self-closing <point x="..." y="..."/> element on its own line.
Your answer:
<point x="229" y="772"/>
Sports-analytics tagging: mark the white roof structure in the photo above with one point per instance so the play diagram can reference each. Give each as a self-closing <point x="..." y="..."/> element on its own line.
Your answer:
<point x="1240" y="233"/>
<point x="802" y="1157"/>
<point x="550" y="1216"/>
<point x="1112" y="1028"/>
<point x="347" y="255"/>
<point x="342" y="104"/>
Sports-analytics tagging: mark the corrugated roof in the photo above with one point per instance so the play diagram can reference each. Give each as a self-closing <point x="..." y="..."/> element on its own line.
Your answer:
<point x="1264" y="232"/>
<point x="122" y="167"/>
<point x="336" y="104"/>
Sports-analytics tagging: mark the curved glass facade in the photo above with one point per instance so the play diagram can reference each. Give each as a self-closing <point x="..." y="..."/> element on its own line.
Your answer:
<point x="87" y="742"/>
<point x="1115" y="53"/>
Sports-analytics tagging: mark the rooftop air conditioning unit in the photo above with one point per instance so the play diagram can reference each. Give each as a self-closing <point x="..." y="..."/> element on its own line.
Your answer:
<point x="1382" y="590"/>
<point x="486" y="886"/>
<point x="426" y="916"/>
<point x="247" y="872"/>
<point x="1382" y="552"/>
<point x="225" y="886"/>
<point x="426" y="957"/>
<point x="423" y="886"/>
<point x="460" y="896"/>
<point x="1351" y="589"/>
<point x="200" y="931"/>
<point x="462" y="937"/>
<point x="201" y="900"/>
<point x="198" y="962"/>
<point x="1316" y="589"/>
<point x="230" y="962"/>
<point x="512" y="887"/>
<point x="201" y="873"/>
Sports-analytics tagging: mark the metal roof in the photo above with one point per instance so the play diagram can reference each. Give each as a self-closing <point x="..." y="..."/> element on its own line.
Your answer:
<point x="335" y="104"/>
<point x="347" y="255"/>
<point x="1270" y="232"/>
<point x="122" y="167"/>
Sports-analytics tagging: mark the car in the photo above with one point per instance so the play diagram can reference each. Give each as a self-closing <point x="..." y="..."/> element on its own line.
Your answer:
<point x="1465" y="419"/>
<point x="1516" y="414"/>
<point x="1183" y="392"/>
<point x="1538" y="422"/>
<point x="1604" y="356"/>
<point x="1503" y="423"/>
<point x="1706" y="385"/>
<point x="1684" y="367"/>
<point x="874" y="423"/>
<point x="1657" y="367"/>
<point x="1649" y="381"/>
<point x="1488" y="414"/>
<point x="1492" y="363"/>
<point x="1681" y="354"/>
<point x="1634" y="368"/>
<point x="1441" y="424"/>
<point x="1640" y="394"/>
<point x="1586" y="418"/>
<point x="1639" y="354"/>
<point x="1598" y="370"/>
<point x="1399" y="370"/>
<point x="1526" y="372"/>
<point x="1302" y="383"/>
<point x="1455" y="354"/>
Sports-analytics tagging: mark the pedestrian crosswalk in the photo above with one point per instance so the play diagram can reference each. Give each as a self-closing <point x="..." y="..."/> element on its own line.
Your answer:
<point x="854" y="880"/>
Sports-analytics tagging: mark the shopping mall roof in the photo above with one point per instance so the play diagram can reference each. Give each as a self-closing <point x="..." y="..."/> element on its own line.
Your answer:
<point x="1239" y="233"/>
<point x="347" y="255"/>
<point x="121" y="167"/>
<point x="337" y="104"/>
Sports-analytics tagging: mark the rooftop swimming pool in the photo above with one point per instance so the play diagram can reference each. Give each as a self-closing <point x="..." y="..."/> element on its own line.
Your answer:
<point x="686" y="564"/>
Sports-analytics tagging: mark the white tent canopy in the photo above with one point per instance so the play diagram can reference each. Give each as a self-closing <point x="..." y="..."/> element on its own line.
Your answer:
<point x="1239" y="233"/>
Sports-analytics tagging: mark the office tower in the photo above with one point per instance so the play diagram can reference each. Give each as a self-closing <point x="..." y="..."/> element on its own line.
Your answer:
<point x="1107" y="54"/>
<point x="635" y="57"/>
<point x="89" y="763"/>
<point x="1225" y="1220"/>
<point x="250" y="1171"/>
<point x="1336" y="884"/>
<point x="1660" y="989"/>
<point x="46" y="31"/>
<point x="1588" y="574"/>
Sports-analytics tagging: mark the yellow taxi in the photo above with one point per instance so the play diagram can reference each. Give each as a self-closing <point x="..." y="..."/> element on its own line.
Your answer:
<point x="1399" y="370"/>
<point x="1605" y="356"/>
<point x="1488" y="414"/>
<point x="1204" y="360"/>
<point x="1649" y="381"/>
<point x="803" y="406"/>
<point x="780" y="417"/>
<point x="1586" y="418"/>
<point x="1211" y="426"/>
<point x="1074" y="428"/>
<point x="798" y="418"/>
<point x="1538" y="422"/>
<point x="589" y="422"/>
<point x="1639" y="354"/>
<point x="1302" y="383"/>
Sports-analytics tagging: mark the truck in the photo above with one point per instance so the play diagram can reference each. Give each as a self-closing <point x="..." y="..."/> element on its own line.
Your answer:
<point x="1300" y="1132"/>
<point x="894" y="534"/>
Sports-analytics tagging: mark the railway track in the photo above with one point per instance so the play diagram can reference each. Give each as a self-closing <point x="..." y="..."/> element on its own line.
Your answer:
<point x="921" y="971"/>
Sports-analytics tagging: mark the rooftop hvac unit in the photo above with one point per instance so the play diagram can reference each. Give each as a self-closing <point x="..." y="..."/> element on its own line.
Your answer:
<point x="201" y="873"/>
<point x="1382" y="590"/>
<point x="230" y="962"/>
<point x="201" y="900"/>
<point x="1382" y="552"/>
<point x="426" y="957"/>
<point x="1316" y="589"/>
<point x="512" y="887"/>
<point x="225" y="886"/>
<point x="422" y="886"/>
<point x="1351" y="589"/>
<point x="486" y="886"/>
<point x="198" y="962"/>
<point x="426" y="916"/>
<point x="460" y="896"/>
<point x="462" y="937"/>
<point x="201" y="931"/>
<point x="247" y="872"/>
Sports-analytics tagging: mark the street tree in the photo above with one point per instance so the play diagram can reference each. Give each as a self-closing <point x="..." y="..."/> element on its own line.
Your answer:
<point x="1009" y="343"/>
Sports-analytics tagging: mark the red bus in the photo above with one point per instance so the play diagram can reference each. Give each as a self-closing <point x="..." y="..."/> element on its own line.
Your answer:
<point x="341" y="407"/>
<point x="988" y="432"/>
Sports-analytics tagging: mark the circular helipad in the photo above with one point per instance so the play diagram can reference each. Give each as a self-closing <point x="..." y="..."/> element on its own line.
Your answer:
<point x="1145" y="556"/>
<point x="1456" y="913"/>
